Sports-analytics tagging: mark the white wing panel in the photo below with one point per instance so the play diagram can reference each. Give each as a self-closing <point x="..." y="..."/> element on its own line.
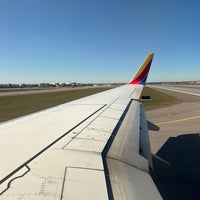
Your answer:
<point x="86" y="145"/>
<point x="90" y="133"/>
<point x="126" y="146"/>
<point x="84" y="184"/>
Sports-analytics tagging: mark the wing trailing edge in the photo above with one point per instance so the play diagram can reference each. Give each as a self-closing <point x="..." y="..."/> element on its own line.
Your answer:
<point x="141" y="75"/>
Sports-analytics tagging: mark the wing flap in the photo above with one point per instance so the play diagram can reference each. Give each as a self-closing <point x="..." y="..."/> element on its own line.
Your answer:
<point x="126" y="145"/>
<point x="129" y="182"/>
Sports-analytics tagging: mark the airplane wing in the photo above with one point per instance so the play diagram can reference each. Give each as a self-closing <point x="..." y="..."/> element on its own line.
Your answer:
<point x="96" y="147"/>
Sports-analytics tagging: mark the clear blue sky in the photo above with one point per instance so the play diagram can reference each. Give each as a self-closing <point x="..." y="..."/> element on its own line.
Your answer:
<point x="98" y="40"/>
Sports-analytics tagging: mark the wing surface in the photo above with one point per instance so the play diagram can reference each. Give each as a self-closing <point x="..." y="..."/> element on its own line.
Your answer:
<point x="96" y="147"/>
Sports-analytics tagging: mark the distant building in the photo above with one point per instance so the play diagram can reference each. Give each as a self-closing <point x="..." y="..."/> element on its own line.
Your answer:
<point x="24" y="85"/>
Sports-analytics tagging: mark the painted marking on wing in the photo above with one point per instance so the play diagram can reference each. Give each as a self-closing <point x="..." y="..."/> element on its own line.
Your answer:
<point x="178" y="120"/>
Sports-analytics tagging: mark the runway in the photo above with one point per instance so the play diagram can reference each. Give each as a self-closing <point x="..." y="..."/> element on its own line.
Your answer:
<point x="184" y="89"/>
<point x="178" y="142"/>
<point x="14" y="92"/>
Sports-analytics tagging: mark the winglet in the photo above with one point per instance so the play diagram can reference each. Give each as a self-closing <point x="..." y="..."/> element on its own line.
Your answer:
<point x="141" y="75"/>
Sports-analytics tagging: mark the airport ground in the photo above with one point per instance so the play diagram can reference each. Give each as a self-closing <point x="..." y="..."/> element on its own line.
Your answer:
<point x="178" y="142"/>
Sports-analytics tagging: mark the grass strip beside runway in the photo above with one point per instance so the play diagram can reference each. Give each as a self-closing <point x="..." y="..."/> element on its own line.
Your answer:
<point x="20" y="105"/>
<point x="157" y="99"/>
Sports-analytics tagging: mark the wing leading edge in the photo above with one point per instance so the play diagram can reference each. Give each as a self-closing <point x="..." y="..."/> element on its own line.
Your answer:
<point x="92" y="148"/>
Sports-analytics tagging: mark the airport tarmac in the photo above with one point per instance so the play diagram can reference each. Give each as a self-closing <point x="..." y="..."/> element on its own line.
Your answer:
<point x="178" y="142"/>
<point x="183" y="118"/>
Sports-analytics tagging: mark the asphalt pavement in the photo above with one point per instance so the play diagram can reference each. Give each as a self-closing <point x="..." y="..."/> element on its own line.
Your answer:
<point x="178" y="142"/>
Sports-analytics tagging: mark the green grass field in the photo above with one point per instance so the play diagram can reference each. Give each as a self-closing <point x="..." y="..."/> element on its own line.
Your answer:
<point x="19" y="105"/>
<point x="158" y="99"/>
